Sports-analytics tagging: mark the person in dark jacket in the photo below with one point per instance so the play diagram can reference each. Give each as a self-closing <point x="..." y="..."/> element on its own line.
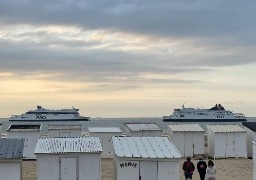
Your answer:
<point x="188" y="168"/>
<point x="201" y="168"/>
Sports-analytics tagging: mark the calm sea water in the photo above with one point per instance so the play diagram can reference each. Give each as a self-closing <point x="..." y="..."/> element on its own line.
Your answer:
<point x="118" y="122"/>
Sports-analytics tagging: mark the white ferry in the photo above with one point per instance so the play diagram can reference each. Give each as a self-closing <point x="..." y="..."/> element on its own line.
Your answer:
<point x="42" y="114"/>
<point x="215" y="114"/>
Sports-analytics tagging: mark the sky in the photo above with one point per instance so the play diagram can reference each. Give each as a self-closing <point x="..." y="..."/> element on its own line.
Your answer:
<point x="136" y="58"/>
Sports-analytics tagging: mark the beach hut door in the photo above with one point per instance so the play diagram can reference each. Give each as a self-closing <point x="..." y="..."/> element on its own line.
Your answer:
<point x="68" y="169"/>
<point x="230" y="147"/>
<point x="148" y="170"/>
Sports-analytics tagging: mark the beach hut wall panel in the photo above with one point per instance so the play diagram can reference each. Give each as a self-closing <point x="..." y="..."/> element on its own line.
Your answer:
<point x="30" y="133"/>
<point x="250" y="127"/>
<point x="254" y="159"/>
<point x="105" y="134"/>
<point x="11" y="151"/>
<point x="150" y="158"/>
<point x="69" y="158"/>
<point x="64" y="131"/>
<point x="226" y="141"/>
<point x="188" y="138"/>
<point x="142" y="129"/>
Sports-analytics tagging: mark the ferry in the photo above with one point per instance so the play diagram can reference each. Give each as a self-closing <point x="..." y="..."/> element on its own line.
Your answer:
<point x="42" y="114"/>
<point x="214" y="114"/>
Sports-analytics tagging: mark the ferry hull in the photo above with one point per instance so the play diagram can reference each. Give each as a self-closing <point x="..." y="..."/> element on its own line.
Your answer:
<point x="203" y="120"/>
<point x="48" y="120"/>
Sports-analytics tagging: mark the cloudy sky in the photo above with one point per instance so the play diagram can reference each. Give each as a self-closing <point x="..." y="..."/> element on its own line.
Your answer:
<point x="136" y="58"/>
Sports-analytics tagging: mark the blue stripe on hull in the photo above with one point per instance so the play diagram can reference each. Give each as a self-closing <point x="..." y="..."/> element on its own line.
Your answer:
<point x="204" y="120"/>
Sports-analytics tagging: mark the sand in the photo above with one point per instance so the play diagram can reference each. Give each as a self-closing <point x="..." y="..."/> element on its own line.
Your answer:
<point x="227" y="169"/>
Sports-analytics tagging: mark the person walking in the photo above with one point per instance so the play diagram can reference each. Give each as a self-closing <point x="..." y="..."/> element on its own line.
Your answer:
<point x="201" y="168"/>
<point x="188" y="168"/>
<point x="211" y="171"/>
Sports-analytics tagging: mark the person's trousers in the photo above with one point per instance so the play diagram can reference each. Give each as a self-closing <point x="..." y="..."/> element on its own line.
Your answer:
<point x="202" y="176"/>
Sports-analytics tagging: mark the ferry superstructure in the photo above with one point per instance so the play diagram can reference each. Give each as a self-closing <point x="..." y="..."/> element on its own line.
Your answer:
<point x="214" y="114"/>
<point x="42" y="114"/>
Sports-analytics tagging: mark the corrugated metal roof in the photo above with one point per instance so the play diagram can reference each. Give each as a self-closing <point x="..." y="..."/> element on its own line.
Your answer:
<point x="226" y="128"/>
<point x="11" y="148"/>
<point x="250" y="125"/>
<point x="68" y="145"/>
<point x="142" y="127"/>
<point x="104" y="129"/>
<point x="64" y="127"/>
<point x="186" y="127"/>
<point x="145" y="147"/>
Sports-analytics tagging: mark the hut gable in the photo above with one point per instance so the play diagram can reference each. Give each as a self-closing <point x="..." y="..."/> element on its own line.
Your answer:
<point x="145" y="147"/>
<point x="68" y="145"/>
<point x="11" y="148"/>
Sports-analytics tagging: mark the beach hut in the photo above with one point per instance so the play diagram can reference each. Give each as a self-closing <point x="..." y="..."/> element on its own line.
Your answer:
<point x="68" y="158"/>
<point x="188" y="138"/>
<point x="30" y="133"/>
<point x="226" y="141"/>
<point x="142" y="129"/>
<point x="105" y="134"/>
<point x="254" y="159"/>
<point x="250" y="128"/>
<point x="11" y="151"/>
<point x="150" y="158"/>
<point x="64" y="130"/>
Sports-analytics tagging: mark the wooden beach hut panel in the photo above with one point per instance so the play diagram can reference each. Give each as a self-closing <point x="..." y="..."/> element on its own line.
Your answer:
<point x="250" y="127"/>
<point x="30" y="133"/>
<point x="151" y="158"/>
<point x="69" y="158"/>
<point x="105" y="134"/>
<point x="226" y="141"/>
<point x="64" y="131"/>
<point x="142" y="129"/>
<point x="11" y="152"/>
<point x="188" y="138"/>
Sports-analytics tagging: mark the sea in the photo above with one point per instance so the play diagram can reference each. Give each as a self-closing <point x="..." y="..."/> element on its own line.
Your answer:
<point x="114" y="122"/>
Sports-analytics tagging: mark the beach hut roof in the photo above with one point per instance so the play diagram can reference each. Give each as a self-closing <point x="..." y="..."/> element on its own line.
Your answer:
<point x="226" y="128"/>
<point x="145" y="147"/>
<point x="142" y="127"/>
<point x="68" y="145"/>
<point x="11" y="148"/>
<point x="25" y="127"/>
<point x="104" y="129"/>
<point x="64" y="127"/>
<point x="186" y="127"/>
<point x="250" y="125"/>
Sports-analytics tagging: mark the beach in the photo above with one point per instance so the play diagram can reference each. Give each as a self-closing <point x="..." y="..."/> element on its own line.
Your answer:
<point x="227" y="169"/>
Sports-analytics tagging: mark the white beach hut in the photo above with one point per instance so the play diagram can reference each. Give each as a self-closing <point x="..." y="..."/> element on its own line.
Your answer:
<point x="64" y="131"/>
<point x="250" y="127"/>
<point x="226" y="141"/>
<point x="68" y="158"/>
<point x="142" y="129"/>
<point x="254" y="159"/>
<point x="11" y="151"/>
<point x="188" y="138"/>
<point x="30" y="133"/>
<point x="105" y="134"/>
<point x="150" y="158"/>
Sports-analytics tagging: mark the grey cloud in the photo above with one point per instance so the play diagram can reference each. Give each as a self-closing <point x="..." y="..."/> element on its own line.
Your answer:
<point x="171" y="18"/>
